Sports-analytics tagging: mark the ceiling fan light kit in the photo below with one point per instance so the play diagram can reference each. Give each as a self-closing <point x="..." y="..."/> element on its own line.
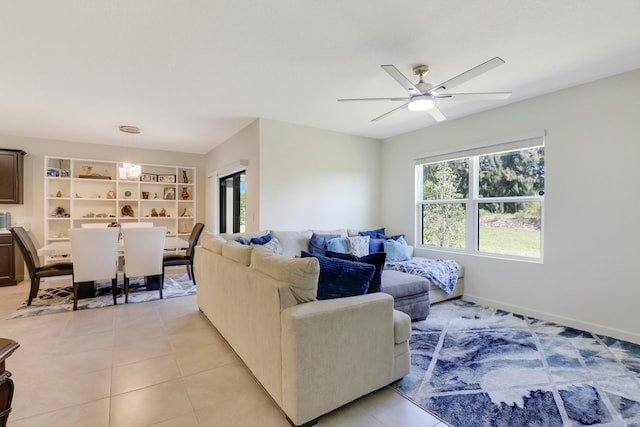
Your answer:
<point x="423" y="96"/>
<point x="421" y="103"/>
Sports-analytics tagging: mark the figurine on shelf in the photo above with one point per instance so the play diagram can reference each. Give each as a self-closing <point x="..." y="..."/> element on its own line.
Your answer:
<point x="156" y="196"/>
<point x="59" y="193"/>
<point x="111" y="194"/>
<point x="185" y="178"/>
<point x="185" y="193"/>
<point x="185" y="212"/>
<point x="153" y="212"/>
<point x="127" y="210"/>
<point x="163" y="212"/>
<point x="61" y="213"/>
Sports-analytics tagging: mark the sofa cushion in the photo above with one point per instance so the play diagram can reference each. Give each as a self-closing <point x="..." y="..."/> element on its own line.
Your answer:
<point x="377" y="260"/>
<point x="400" y="285"/>
<point x="247" y="235"/>
<point x="318" y="243"/>
<point x="301" y="273"/>
<point x="238" y="252"/>
<point x="339" y="244"/>
<point x="212" y="242"/>
<point x="340" y="278"/>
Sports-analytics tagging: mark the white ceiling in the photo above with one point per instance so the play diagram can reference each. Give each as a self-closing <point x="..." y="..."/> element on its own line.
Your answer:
<point x="191" y="73"/>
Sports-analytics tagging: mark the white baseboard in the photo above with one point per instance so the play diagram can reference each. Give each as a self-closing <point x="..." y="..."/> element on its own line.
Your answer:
<point x="562" y="320"/>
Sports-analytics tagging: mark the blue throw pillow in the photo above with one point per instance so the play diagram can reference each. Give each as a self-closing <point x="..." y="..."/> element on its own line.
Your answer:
<point x="376" y="259"/>
<point x="372" y="233"/>
<point x="376" y="245"/>
<point x="243" y="241"/>
<point x="396" y="237"/>
<point x="318" y="243"/>
<point x="396" y="250"/>
<point x="261" y="240"/>
<point x="339" y="244"/>
<point x="339" y="278"/>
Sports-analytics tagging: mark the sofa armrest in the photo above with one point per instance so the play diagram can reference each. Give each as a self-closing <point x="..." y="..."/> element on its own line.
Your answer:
<point x="335" y="351"/>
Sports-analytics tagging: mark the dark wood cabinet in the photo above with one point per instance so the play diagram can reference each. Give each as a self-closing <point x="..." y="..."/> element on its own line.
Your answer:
<point x="11" y="176"/>
<point x="10" y="261"/>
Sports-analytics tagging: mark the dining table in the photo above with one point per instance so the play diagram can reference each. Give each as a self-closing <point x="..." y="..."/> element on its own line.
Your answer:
<point x="62" y="250"/>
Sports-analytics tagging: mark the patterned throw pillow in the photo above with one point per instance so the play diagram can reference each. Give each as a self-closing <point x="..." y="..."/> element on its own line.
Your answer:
<point x="359" y="245"/>
<point x="274" y="246"/>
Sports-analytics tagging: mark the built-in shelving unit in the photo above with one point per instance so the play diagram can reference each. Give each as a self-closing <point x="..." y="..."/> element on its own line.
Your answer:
<point x="81" y="191"/>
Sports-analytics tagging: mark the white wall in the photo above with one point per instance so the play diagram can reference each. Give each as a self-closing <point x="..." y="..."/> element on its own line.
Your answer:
<point x="226" y="159"/>
<point x="588" y="278"/>
<point x="32" y="210"/>
<point x="314" y="178"/>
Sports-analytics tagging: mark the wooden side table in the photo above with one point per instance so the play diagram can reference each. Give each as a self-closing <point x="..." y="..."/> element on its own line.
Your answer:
<point x="7" y="347"/>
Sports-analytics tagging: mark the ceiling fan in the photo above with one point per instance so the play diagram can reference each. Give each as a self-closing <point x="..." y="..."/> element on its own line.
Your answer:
<point x="422" y="95"/>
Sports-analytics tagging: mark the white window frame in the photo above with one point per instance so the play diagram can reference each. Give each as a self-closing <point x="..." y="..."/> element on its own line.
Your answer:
<point x="473" y="200"/>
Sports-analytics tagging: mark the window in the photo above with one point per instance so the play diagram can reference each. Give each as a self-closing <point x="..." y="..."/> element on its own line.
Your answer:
<point x="233" y="203"/>
<point x="484" y="200"/>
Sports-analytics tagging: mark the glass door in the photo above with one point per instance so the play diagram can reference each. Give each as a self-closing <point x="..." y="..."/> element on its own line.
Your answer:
<point x="232" y="203"/>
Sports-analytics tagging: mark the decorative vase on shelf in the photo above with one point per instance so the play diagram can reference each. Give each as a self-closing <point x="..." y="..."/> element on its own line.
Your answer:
<point x="185" y="193"/>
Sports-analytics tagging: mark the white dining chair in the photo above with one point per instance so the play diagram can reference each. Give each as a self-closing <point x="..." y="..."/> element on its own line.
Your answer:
<point x="143" y="251"/>
<point x="136" y="224"/>
<point x="94" y="252"/>
<point x="94" y="225"/>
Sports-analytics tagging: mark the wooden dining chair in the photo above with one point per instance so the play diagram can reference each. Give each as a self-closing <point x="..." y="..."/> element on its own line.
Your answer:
<point x="95" y="257"/>
<point x="31" y="259"/>
<point x="186" y="259"/>
<point x="143" y="250"/>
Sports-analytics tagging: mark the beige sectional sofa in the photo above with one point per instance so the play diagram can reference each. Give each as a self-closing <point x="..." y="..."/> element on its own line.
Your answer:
<point x="310" y="356"/>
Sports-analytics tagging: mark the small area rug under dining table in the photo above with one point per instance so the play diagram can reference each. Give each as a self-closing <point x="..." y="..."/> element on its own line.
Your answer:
<point x="59" y="299"/>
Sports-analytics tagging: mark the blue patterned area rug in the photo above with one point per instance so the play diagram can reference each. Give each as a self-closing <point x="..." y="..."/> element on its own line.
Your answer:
<point x="477" y="366"/>
<point x="60" y="299"/>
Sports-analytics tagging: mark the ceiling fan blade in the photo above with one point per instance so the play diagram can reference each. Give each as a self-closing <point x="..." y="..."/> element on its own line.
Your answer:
<point x="374" y="99"/>
<point x="437" y="114"/>
<point x="390" y="112"/>
<point x="400" y="78"/>
<point x="467" y="75"/>
<point x="473" y="96"/>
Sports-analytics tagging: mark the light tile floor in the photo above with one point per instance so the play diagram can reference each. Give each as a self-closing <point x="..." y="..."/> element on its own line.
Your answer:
<point x="157" y="363"/>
